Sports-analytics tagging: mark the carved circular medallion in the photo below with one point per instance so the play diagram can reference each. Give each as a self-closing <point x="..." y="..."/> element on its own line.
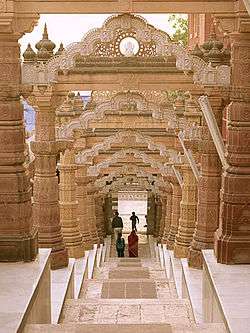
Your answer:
<point x="129" y="46"/>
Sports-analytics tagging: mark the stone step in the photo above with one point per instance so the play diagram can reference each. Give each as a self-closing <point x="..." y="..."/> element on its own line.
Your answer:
<point x="127" y="311"/>
<point x="199" y="328"/>
<point x="134" y="301"/>
<point x="98" y="328"/>
<point x="124" y="328"/>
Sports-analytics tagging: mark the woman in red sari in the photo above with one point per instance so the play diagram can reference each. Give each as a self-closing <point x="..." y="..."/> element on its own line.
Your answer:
<point x="133" y="244"/>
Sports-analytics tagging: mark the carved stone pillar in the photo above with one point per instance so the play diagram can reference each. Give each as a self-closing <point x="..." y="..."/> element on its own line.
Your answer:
<point x="208" y="189"/>
<point x="18" y="235"/>
<point x="68" y="206"/>
<point x="99" y="217"/>
<point x="108" y="214"/>
<point x="81" y="196"/>
<point x="232" y="239"/>
<point x="46" y="192"/>
<point x="158" y="214"/>
<point x="176" y="199"/>
<point x="163" y="216"/>
<point x="168" y="217"/>
<point x="91" y="213"/>
<point x="150" y="213"/>
<point x="187" y="213"/>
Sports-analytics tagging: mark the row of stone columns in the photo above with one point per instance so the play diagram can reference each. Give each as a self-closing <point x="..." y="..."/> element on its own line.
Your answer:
<point x="68" y="223"/>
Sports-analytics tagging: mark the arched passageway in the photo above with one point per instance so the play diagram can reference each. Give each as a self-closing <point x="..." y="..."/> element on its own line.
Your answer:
<point x="153" y="126"/>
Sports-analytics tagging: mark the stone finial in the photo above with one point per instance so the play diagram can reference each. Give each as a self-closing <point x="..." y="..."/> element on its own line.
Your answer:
<point x="213" y="48"/>
<point x="29" y="54"/>
<point x="43" y="55"/>
<point x="60" y="50"/>
<point x="78" y="102"/>
<point x="197" y="51"/>
<point x="46" y="43"/>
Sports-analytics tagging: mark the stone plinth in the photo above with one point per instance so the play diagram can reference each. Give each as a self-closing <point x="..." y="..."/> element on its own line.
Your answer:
<point x="25" y="293"/>
<point x="226" y="294"/>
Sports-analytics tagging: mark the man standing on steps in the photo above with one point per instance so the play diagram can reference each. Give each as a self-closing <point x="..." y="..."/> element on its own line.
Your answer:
<point x="117" y="225"/>
<point x="134" y="219"/>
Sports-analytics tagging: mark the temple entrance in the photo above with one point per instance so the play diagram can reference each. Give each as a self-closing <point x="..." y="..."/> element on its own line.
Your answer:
<point x="133" y="201"/>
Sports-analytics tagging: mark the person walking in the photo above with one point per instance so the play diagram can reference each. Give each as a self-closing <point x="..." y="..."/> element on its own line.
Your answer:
<point x="133" y="244"/>
<point x="120" y="245"/>
<point x="134" y="219"/>
<point x="117" y="225"/>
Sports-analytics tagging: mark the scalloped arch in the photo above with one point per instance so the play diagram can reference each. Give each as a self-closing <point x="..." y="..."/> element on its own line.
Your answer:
<point x="95" y="169"/>
<point x="119" y="138"/>
<point x="133" y="100"/>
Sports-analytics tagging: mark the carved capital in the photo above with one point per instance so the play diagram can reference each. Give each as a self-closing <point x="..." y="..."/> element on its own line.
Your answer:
<point x="13" y="24"/>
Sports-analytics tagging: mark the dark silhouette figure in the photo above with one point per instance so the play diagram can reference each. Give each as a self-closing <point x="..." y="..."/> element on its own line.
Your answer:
<point x="133" y="244"/>
<point x="134" y="219"/>
<point x="117" y="224"/>
<point x="120" y="245"/>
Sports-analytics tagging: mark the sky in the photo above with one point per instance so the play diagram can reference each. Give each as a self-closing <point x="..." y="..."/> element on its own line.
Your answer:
<point x="71" y="28"/>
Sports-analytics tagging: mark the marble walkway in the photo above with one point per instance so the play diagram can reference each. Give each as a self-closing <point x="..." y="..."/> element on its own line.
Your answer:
<point x="128" y="295"/>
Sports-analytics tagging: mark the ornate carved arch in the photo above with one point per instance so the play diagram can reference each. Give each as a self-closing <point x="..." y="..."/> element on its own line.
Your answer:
<point x="104" y="42"/>
<point x="126" y="170"/>
<point x="120" y="137"/>
<point x="134" y="101"/>
<point x="94" y="170"/>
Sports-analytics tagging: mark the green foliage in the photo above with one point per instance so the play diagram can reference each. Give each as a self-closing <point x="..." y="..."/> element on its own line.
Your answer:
<point x="180" y="25"/>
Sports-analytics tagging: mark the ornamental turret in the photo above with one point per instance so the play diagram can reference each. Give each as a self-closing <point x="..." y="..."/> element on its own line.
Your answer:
<point x="29" y="54"/>
<point x="45" y="46"/>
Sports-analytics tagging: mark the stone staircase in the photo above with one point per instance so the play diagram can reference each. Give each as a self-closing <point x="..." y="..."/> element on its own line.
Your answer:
<point x="128" y="295"/>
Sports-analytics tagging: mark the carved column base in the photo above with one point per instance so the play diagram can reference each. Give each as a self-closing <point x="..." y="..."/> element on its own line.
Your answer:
<point x="171" y="237"/>
<point x="18" y="248"/>
<point x="51" y="237"/>
<point x="76" y="252"/>
<point x="59" y="258"/>
<point x="180" y="251"/>
<point x="232" y="250"/>
<point x="195" y="259"/>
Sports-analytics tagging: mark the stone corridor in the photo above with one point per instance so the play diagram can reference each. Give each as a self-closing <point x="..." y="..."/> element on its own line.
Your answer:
<point x="132" y="293"/>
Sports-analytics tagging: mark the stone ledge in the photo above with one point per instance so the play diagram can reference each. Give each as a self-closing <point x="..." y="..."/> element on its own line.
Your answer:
<point x="62" y="288"/>
<point x="226" y="293"/>
<point x="192" y="289"/>
<point x="100" y="328"/>
<point x="25" y="293"/>
<point x="80" y="273"/>
<point x="176" y="272"/>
